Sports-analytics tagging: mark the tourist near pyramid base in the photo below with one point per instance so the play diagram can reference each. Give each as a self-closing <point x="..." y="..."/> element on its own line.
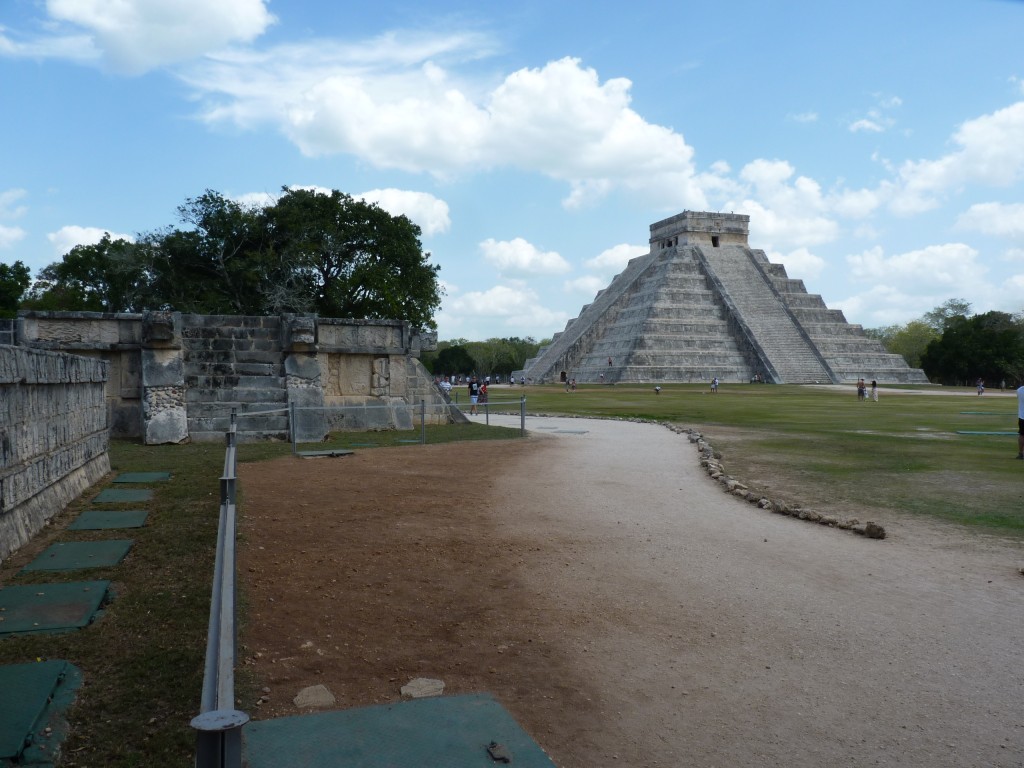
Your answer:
<point x="703" y="304"/>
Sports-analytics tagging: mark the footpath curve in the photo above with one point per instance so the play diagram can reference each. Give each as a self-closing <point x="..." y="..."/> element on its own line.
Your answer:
<point x="717" y="633"/>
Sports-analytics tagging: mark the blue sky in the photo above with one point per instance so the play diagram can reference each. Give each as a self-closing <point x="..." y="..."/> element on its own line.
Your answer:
<point x="878" y="147"/>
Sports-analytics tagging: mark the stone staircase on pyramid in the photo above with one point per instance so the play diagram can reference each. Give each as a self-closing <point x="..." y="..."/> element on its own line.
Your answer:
<point x="702" y="304"/>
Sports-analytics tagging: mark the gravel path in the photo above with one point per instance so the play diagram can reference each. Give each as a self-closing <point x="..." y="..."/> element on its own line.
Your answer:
<point x="717" y="634"/>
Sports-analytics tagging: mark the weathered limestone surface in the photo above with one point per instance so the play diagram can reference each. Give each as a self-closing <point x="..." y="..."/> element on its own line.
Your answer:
<point x="176" y="377"/>
<point x="702" y="304"/>
<point x="53" y="437"/>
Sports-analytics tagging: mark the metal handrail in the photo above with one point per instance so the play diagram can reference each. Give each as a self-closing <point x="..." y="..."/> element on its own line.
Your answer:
<point x="219" y="724"/>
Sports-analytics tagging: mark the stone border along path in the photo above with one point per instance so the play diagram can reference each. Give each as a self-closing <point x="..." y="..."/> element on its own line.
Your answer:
<point x="47" y="731"/>
<point x="711" y="460"/>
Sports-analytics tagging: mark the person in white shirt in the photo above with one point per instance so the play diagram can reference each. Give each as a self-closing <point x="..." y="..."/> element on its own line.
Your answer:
<point x="1020" y="422"/>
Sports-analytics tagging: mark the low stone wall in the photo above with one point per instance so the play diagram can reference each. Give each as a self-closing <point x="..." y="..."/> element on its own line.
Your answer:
<point x="53" y="437"/>
<point x="175" y="377"/>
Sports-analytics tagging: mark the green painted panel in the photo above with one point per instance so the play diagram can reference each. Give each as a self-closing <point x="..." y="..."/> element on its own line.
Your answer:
<point x="34" y="697"/>
<point x="450" y="731"/>
<point x="73" y="555"/>
<point x="117" y="495"/>
<point x="30" y="608"/>
<point x="142" y="477"/>
<point x="97" y="519"/>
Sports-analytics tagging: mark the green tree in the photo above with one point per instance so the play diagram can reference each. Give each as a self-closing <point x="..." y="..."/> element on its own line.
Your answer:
<point x="362" y="261"/>
<point x="106" y="276"/>
<point x="908" y="340"/>
<point x="989" y="346"/>
<point x="14" y="281"/>
<point x="940" y="317"/>
<point x="454" y="360"/>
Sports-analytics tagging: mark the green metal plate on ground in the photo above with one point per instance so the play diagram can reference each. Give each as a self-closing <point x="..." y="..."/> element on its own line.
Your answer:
<point x="74" y="555"/>
<point x="319" y="454"/>
<point x="965" y="432"/>
<point x="34" y="697"/>
<point x="97" y="519"/>
<point x="31" y="608"/>
<point x="142" y="477"/>
<point x="117" y="495"/>
<point x="450" y="731"/>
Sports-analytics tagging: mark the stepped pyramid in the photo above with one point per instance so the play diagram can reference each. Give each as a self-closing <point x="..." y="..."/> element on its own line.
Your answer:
<point x="702" y="304"/>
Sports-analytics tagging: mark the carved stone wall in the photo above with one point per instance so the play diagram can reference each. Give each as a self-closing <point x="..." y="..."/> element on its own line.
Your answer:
<point x="176" y="377"/>
<point x="53" y="437"/>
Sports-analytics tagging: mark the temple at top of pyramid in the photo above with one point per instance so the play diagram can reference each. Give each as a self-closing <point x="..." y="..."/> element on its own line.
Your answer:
<point x="703" y="304"/>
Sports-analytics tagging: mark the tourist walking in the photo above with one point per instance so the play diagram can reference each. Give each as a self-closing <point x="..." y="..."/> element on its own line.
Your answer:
<point x="981" y="386"/>
<point x="714" y="385"/>
<point x="474" y="395"/>
<point x="1020" y="422"/>
<point x="874" y="390"/>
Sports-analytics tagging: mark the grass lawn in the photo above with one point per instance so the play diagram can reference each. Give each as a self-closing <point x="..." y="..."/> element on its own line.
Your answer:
<point x="143" y="660"/>
<point x="903" y="454"/>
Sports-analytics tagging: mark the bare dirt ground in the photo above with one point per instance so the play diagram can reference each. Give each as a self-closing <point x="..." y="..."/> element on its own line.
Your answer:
<point x="625" y="610"/>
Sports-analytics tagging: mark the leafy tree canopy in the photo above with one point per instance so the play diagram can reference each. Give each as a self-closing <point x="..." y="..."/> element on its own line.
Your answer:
<point x="309" y="252"/>
<point x="988" y="346"/>
<point x="14" y="281"/>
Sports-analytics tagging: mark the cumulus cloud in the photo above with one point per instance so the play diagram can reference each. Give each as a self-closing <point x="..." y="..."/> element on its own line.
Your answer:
<point x="613" y="260"/>
<point x="10" y="235"/>
<point x="588" y="285"/>
<point x="785" y="212"/>
<point x="800" y="263"/>
<point x="516" y="310"/>
<point x="66" y="238"/>
<point x="518" y="258"/>
<point x="991" y="153"/>
<point x="9" y="206"/>
<point x="133" y="36"/>
<point x="429" y="212"/>
<point x="877" y="119"/>
<point x="952" y="267"/>
<point x="999" y="219"/>
<point x="400" y="107"/>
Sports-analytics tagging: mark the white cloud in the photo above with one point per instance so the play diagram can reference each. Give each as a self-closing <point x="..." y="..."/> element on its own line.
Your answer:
<point x="10" y="235"/>
<point x="66" y="238"/>
<point x="784" y="212"/>
<point x="804" y="117"/>
<point x="883" y="305"/>
<point x="396" y="106"/>
<point x="991" y="153"/>
<point x="1000" y="219"/>
<point x="799" y="263"/>
<point x="513" y="310"/>
<point x="9" y="209"/>
<point x="951" y="267"/>
<point x="256" y="199"/>
<point x="422" y="208"/>
<point x="519" y="258"/>
<point x="613" y="260"/>
<point x="867" y="125"/>
<point x="430" y="213"/>
<point x="133" y="36"/>
<point x="588" y="285"/>
<point x="854" y="203"/>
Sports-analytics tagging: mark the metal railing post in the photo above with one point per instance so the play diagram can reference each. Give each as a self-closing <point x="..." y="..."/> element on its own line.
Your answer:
<point x="291" y="428"/>
<point x="522" y="416"/>
<point x="219" y="724"/>
<point x="423" y="422"/>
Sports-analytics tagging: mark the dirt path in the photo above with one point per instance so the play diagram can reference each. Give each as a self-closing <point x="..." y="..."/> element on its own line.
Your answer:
<point x="627" y="611"/>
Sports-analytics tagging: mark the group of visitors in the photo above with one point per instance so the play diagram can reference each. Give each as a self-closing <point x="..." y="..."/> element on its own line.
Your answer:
<point x="477" y="394"/>
<point x="862" y="390"/>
